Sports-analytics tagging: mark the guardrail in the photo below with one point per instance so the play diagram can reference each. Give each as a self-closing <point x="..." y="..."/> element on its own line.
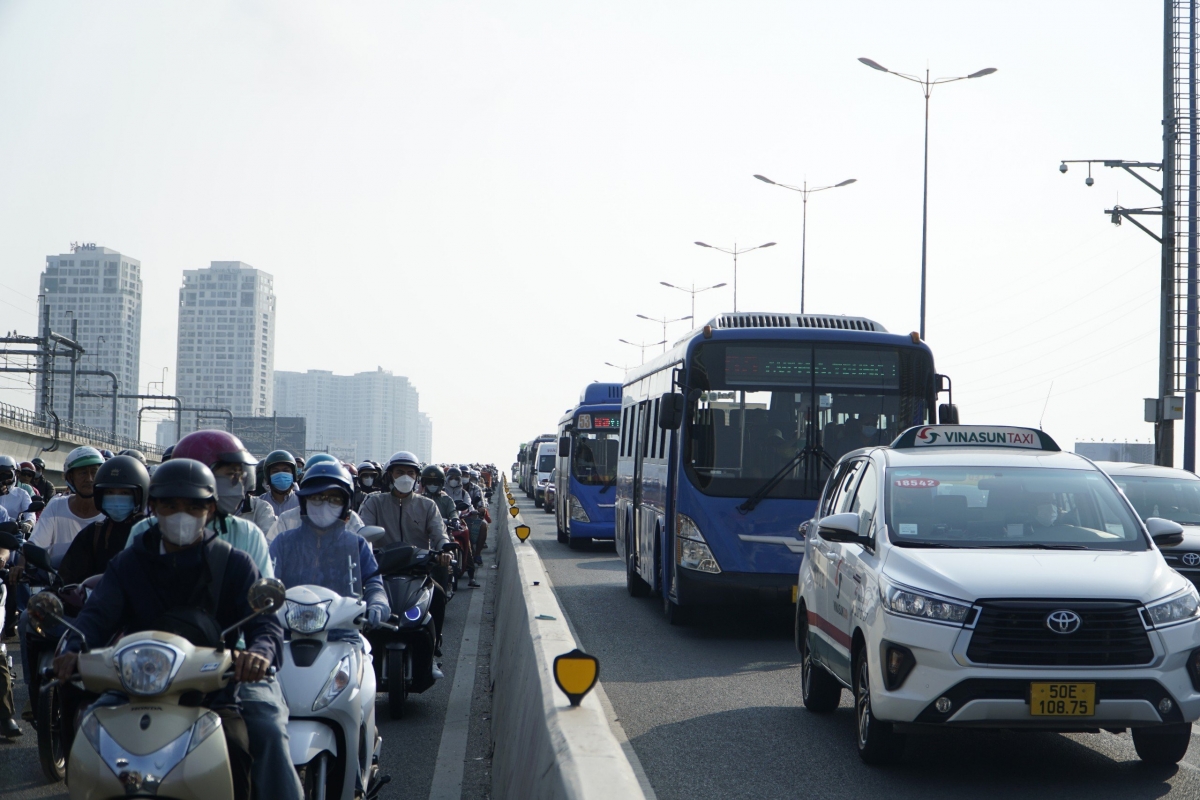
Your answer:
<point x="32" y="422"/>
<point x="544" y="746"/>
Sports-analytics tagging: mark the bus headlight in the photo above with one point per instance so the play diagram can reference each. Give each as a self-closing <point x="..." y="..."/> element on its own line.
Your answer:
<point x="691" y="551"/>
<point x="577" y="512"/>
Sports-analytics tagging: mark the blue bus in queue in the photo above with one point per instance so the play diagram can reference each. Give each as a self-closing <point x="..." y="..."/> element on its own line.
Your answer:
<point x="586" y="466"/>
<point x="727" y="440"/>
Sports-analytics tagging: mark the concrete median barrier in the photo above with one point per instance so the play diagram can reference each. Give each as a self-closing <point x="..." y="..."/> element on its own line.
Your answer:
<point x="544" y="747"/>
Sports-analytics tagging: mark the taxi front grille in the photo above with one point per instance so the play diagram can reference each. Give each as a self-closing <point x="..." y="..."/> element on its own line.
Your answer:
<point x="1015" y="633"/>
<point x="1181" y="560"/>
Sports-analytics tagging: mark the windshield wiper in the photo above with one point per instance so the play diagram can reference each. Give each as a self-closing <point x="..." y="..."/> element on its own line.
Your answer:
<point x="911" y="543"/>
<point x="608" y="485"/>
<point x="815" y="451"/>
<point x="1033" y="546"/>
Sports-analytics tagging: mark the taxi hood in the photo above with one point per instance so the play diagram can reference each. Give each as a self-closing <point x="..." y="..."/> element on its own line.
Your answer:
<point x="975" y="574"/>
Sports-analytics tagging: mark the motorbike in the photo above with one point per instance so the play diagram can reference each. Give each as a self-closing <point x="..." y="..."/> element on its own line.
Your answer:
<point x="404" y="654"/>
<point x="335" y="745"/>
<point x="156" y="737"/>
<point x="55" y="706"/>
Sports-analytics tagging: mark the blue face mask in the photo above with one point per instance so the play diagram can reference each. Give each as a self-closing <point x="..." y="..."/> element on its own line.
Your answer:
<point x="118" y="507"/>
<point x="281" y="481"/>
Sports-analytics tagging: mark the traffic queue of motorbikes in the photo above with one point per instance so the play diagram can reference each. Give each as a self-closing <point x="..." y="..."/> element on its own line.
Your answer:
<point x="137" y="714"/>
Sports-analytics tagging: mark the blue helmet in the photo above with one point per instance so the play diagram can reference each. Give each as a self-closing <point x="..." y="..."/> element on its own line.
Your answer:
<point x="322" y="476"/>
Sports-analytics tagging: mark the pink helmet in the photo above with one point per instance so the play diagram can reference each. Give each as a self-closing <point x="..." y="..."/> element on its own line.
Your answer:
<point x="211" y="448"/>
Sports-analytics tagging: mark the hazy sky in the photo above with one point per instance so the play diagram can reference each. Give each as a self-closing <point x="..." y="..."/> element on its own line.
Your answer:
<point x="482" y="196"/>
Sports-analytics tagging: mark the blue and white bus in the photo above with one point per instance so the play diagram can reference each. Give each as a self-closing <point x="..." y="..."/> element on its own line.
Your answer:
<point x="727" y="440"/>
<point x="586" y="469"/>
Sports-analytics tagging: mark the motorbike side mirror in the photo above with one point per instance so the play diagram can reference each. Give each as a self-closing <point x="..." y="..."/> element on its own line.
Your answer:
<point x="1164" y="532"/>
<point x="266" y="595"/>
<point x="37" y="556"/>
<point x="8" y="541"/>
<point x="372" y="533"/>
<point x="37" y="506"/>
<point x="461" y="505"/>
<point x="44" y="611"/>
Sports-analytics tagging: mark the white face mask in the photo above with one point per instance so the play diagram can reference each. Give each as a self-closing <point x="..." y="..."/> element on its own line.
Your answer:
<point x="323" y="515"/>
<point x="453" y="483"/>
<point x="181" y="529"/>
<point x="368" y="481"/>
<point x="404" y="484"/>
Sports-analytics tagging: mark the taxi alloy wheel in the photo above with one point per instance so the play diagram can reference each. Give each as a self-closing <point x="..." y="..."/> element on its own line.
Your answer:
<point x="820" y="691"/>
<point x="878" y="742"/>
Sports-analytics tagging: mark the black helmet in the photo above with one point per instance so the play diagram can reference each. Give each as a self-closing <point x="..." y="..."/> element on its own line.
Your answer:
<point x="454" y="472"/>
<point x="279" y="457"/>
<point x="433" y="475"/>
<point x="166" y="456"/>
<point x="183" y="477"/>
<point x="123" y="472"/>
<point x="39" y="463"/>
<point x="138" y="454"/>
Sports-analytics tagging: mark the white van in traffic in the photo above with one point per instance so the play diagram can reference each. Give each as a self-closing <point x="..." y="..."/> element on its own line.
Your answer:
<point x="542" y="466"/>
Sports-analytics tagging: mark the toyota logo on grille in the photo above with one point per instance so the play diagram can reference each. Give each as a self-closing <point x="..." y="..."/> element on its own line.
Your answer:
<point x="1191" y="559"/>
<point x="1063" y="621"/>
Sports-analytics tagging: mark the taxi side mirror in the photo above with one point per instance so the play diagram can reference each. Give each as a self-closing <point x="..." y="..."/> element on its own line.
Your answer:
<point x="839" y="528"/>
<point x="1164" y="532"/>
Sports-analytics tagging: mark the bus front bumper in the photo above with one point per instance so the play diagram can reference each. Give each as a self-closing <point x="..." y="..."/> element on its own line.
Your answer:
<point x="593" y="530"/>
<point x="705" y="588"/>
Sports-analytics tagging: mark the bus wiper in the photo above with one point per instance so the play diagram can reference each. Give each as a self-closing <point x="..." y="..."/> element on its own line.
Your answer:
<point x="815" y="451"/>
<point x="608" y="485"/>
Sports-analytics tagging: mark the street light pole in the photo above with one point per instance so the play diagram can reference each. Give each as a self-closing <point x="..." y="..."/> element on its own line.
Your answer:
<point x="642" y="346"/>
<point x="693" y="291"/>
<point x="735" y="253"/>
<point x="926" y="85"/>
<point x="804" y="192"/>
<point x="664" y="322"/>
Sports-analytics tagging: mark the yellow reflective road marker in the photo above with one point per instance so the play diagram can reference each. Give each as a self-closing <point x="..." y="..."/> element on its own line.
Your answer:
<point x="576" y="673"/>
<point x="522" y="532"/>
<point x="514" y="511"/>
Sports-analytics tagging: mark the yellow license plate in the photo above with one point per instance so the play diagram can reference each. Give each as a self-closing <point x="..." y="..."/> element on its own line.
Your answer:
<point x="795" y="594"/>
<point x="1062" y="699"/>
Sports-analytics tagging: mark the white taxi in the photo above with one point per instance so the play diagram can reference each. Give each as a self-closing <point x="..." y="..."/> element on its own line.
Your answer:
<point x="976" y="577"/>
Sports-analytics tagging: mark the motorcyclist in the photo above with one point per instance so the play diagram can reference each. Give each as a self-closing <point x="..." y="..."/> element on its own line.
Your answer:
<point x="13" y="499"/>
<point x="291" y="518"/>
<point x="317" y="552"/>
<point x="44" y="487"/>
<point x="368" y="483"/>
<point x="180" y="577"/>
<point x="26" y="475"/>
<point x="227" y="458"/>
<point x="461" y="490"/>
<point x="412" y="519"/>
<point x="66" y="515"/>
<point x="432" y="482"/>
<point x="279" y="476"/>
<point x="121" y="490"/>
<point x="9" y="728"/>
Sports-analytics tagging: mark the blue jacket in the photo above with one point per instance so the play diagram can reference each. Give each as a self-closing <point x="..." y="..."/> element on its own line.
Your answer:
<point x="336" y="559"/>
<point x="140" y="584"/>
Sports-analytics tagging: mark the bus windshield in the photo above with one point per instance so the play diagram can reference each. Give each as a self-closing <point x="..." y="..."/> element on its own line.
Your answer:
<point x="755" y="407"/>
<point x="594" y="458"/>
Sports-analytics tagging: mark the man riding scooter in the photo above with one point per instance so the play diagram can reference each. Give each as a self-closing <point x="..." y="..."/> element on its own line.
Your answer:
<point x="179" y="576"/>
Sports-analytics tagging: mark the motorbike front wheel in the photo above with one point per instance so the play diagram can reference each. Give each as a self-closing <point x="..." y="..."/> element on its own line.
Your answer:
<point x="52" y="752"/>
<point x="397" y="686"/>
<point x="316" y="778"/>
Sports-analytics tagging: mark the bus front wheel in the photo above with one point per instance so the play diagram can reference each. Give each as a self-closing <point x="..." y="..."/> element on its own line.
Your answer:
<point x="633" y="582"/>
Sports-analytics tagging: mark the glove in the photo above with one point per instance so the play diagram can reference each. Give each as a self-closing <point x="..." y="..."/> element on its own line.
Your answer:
<point x="376" y="614"/>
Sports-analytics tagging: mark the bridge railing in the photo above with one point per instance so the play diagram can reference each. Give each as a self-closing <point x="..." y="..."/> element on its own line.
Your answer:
<point x="24" y="419"/>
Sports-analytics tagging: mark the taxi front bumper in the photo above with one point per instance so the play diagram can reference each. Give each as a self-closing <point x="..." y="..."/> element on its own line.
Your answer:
<point x="1160" y="692"/>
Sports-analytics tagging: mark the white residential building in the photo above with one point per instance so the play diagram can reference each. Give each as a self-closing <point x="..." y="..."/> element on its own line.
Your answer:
<point x="101" y="290"/>
<point x="226" y="355"/>
<point x="424" y="449"/>
<point x="369" y="415"/>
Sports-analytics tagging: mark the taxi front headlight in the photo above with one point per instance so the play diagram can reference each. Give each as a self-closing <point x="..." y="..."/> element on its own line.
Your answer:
<point x="145" y="668"/>
<point x="922" y="606"/>
<point x="1183" y="607"/>
<point x="306" y="618"/>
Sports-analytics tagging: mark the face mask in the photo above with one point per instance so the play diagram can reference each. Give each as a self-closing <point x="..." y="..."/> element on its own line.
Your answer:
<point x="454" y="483"/>
<point x="324" y="514"/>
<point x="282" y="481"/>
<point x="181" y="529"/>
<point x="368" y="481"/>
<point x="404" y="484"/>
<point x="118" y="507"/>
<point x="229" y="497"/>
<point x="433" y="488"/>
<point x="1046" y="515"/>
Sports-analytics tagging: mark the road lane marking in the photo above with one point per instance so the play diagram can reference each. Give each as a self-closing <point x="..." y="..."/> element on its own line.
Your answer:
<point x="452" y="752"/>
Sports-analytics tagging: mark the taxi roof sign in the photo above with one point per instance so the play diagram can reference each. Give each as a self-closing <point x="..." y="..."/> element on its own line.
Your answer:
<point x="974" y="436"/>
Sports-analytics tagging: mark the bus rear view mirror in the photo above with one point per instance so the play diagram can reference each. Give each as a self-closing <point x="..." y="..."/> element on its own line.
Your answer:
<point x="564" y="445"/>
<point x="948" y="414"/>
<point x="670" y="411"/>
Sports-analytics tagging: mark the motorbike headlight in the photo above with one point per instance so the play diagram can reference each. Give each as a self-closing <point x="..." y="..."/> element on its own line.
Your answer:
<point x="339" y="679"/>
<point x="413" y="614"/>
<point x="146" y="669"/>
<point x="1183" y="607"/>
<point x="203" y="728"/>
<point x="922" y="606"/>
<point x="691" y="551"/>
<point x="577" y="512"/>
<point x="306" y="617"/>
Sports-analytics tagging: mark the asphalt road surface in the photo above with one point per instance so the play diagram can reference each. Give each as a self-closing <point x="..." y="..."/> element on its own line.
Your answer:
<point x="713" y="710"/>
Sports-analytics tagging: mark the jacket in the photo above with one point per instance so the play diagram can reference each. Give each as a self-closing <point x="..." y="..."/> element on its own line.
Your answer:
<point x="415" y="520"/>
<point x="336" y="559"/>
<point x="260" y="512"/>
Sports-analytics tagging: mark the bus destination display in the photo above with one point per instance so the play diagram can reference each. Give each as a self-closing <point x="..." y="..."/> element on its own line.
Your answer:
<point x="606" y="422"/>
<point x="794" y="366"/>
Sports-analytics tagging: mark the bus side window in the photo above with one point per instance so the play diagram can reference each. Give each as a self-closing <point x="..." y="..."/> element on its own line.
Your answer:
<point x="662" y="443"/>
<point x="643" y="425"/>
<point x="650" y="430"/>
<point x="624" y="432"/>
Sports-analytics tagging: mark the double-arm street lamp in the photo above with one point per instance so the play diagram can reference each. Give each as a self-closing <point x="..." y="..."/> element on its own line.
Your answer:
<point x="642" y="346"/>
<point x="693" y="291"/>
<point x="804" y="192"/>
<point x="664" y="322"/>
<point x="926" y="85"/>
<point x="735" y="253"/>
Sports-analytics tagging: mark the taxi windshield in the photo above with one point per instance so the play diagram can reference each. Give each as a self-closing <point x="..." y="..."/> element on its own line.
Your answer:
<point x="1170" y="498"/>
<point x="1020" y="507"/>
